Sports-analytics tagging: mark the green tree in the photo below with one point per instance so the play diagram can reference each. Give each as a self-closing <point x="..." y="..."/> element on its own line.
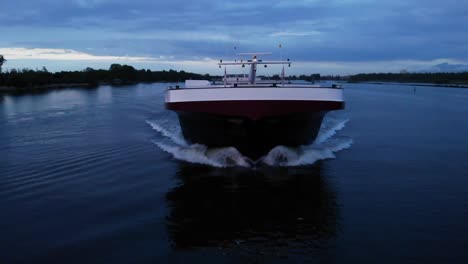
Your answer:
<point x="2" y="60"/>
<point x="115" y="67"/>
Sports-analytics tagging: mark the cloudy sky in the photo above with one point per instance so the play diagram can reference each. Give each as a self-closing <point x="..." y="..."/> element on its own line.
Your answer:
<point x="328" y="37"/>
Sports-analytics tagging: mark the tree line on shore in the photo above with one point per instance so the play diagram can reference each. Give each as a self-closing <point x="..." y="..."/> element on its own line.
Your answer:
<point x="436" y="78"/>
<point x="117" y="74"/>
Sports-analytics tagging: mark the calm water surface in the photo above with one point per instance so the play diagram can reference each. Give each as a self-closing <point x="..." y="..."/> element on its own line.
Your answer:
<point x="102" y="176"/>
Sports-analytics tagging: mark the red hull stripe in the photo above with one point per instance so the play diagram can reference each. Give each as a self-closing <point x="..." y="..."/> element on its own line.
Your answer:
<point x="255" y="109"/>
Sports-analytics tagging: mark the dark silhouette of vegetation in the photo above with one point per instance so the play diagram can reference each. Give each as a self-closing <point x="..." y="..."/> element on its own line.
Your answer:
<point x="435" y="78"/>
<point x="27" y="79"/>
<point x="316" y="77"/>
<point x="310" y="78"/>
<point x="2" y="60"/>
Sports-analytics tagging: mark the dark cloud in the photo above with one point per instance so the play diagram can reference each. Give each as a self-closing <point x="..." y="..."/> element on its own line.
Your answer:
<point x="336" y="30"/>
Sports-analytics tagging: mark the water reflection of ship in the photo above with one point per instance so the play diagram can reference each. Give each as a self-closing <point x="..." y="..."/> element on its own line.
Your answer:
<point x="272" y="208"/>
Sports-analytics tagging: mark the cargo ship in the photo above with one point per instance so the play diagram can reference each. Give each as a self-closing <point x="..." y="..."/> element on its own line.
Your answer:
<point x="249" y="114"/>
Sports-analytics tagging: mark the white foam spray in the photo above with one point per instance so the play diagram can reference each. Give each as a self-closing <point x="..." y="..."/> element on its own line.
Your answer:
<point x="175" y="136"/>
<point x="330" y="126"/>
<point x="197" y="153"/>
<point x="324" y="147"/>
<point x="305" y="155"/>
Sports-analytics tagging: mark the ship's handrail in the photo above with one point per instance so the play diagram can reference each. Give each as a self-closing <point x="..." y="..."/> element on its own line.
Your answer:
<point x="236" y="85"/>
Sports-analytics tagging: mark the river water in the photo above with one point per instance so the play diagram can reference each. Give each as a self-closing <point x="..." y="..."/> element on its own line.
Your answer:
<point x="104" y="176"/>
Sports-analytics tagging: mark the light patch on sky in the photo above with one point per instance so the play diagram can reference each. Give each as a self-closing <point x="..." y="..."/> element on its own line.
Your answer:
<point x="63" y="55"/>
<point x="294" y="33"/>
<point x="89" y="3"/>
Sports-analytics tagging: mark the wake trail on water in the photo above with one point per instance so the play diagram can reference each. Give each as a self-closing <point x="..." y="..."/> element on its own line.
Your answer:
<point x="324" y="147"/>
<point x="173" y="134"/>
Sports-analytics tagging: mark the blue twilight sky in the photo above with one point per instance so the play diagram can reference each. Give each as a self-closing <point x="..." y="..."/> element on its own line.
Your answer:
<point x="328" y="37"/>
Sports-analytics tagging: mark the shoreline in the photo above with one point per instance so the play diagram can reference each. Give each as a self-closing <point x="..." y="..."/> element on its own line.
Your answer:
<point x="416" y="84"/>
<point x="5" y="90"/>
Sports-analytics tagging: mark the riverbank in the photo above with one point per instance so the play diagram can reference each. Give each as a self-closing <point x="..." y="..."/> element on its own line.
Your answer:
<point x="30" y="81"/>
<point x="436" y="79"/>
<point x="416" y="84"/>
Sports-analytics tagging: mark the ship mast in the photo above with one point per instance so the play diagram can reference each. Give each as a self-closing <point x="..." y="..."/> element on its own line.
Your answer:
<point x="253" y="70"/>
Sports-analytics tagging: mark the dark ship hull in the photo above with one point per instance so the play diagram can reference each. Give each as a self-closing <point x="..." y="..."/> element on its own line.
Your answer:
<point x="253" y="138"/>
